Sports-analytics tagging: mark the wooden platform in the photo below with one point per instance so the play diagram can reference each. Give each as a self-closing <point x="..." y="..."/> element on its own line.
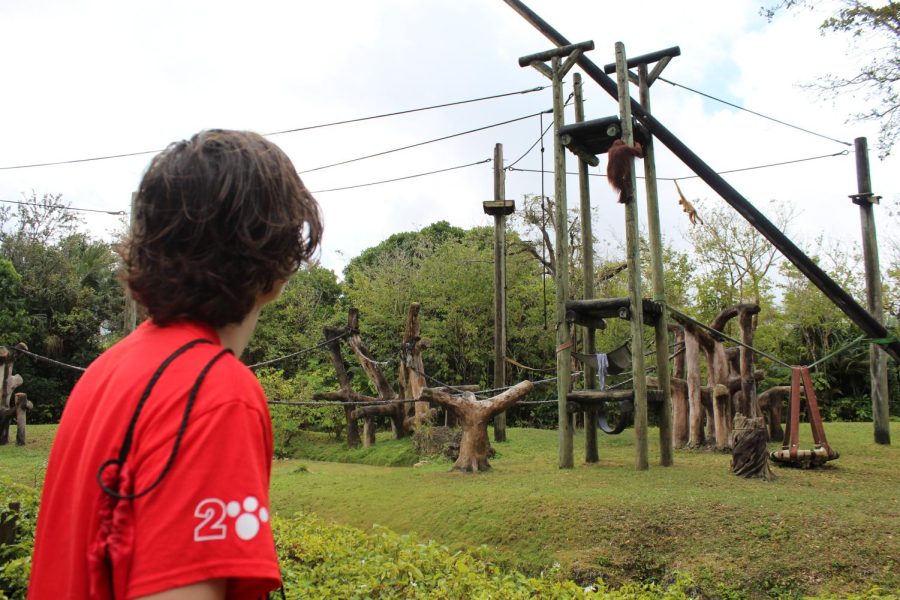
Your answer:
<point x="591" y="313"/>
<point x="604" y="396"/>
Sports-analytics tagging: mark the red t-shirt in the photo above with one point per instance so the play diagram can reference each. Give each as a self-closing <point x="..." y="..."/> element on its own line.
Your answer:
<point x="207" y="519"/>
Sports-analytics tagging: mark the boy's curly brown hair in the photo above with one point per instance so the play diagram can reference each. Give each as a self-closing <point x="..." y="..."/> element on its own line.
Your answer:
<point x="219" y="219"/>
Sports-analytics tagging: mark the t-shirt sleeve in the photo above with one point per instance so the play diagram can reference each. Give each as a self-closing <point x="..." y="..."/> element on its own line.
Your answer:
<point x="210" y="517"/>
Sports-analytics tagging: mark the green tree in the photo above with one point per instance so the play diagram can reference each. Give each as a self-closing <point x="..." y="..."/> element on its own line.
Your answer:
<point x="311" y="299"/>
<point x="879" y="78"/>
<point x="14" y="323"/>
<point x="734" y="260"/>
<point x="69" y="293"/>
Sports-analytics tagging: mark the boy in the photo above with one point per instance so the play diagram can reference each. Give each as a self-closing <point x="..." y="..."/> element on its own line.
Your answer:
<point x="157" y="483"/>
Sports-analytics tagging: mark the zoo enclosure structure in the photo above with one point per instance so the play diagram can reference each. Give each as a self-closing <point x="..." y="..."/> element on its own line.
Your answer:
<point x="870" y="324"/>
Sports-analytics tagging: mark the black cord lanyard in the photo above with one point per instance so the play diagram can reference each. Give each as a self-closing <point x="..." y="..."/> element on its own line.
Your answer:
<point x="129" y="434"/>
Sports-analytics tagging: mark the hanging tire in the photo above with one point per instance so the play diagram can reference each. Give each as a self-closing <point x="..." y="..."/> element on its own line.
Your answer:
<point x="615" y="417"/>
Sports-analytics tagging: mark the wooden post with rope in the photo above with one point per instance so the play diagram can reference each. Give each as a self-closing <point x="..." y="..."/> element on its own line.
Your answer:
<point x="555" y="72"/>
<point x="499" y="208"/>
<point x="877" y="358"/>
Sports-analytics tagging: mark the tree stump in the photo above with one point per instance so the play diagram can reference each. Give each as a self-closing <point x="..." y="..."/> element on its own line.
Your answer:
<point x="8" y="408"/>
<point x="22" y="406"/>
<point x="475" y="415"/>
<point x="750" y="458"/>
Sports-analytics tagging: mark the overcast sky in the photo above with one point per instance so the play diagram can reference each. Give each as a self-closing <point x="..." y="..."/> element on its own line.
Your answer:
<point x="85" y="78"/>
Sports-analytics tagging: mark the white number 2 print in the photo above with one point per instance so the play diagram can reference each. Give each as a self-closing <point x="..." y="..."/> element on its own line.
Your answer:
<point x="212" y="513"/>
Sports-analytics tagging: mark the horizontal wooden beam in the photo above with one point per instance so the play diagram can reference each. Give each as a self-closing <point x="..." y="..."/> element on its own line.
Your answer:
<point x="645" y="59"/>
<point x="546" y="55"/>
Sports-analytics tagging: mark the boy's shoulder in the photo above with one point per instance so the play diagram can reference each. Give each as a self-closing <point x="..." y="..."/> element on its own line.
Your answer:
<point x="140" y="354"/>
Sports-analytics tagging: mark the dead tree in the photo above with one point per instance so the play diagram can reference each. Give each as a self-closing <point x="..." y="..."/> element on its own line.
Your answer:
<point x="412" y="369"/>
<point x="333" y="337"/>
<point x="8" y="384"/>
<point x="396" y="411"/>
<point x="474" y="415"/>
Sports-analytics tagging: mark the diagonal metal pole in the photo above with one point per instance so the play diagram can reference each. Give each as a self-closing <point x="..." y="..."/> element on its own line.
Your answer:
<point x="860" y="316"/>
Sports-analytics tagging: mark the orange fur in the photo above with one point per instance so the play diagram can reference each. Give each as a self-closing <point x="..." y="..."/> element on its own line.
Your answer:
<point x="688" y="207"/>
<point x="618" y="168"/>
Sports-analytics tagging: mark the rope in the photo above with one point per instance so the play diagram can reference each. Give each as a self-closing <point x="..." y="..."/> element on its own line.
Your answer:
<point x="846" y="346"/>
<point x="516" y="363"/>
<point x="575" y="374"/>
<point x="380" y="363"/>
<point x="338" y="403"/>
<point x="48" y="360"/>
<point x="305" y="350"/>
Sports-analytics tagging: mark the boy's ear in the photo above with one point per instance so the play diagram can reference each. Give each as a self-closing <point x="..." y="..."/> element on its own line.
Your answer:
<point x="272" y="294"/>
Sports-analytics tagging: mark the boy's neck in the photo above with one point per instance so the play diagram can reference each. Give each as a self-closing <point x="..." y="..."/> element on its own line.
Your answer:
<point x="236" y="336"/>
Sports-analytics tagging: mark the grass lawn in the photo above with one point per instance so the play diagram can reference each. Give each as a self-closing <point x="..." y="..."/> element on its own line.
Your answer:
<point x="829" y="531"/>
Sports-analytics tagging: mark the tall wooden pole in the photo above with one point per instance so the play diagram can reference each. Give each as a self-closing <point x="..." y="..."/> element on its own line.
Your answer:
<point x="633" y="260"/>
<point x="591" y="454"/>
<point x="499" y="289"/>
<point x="659" y="289"/>
<point x="877" y="359"/>
<point x="563" y="339"/>
<point x="555" y="73"/>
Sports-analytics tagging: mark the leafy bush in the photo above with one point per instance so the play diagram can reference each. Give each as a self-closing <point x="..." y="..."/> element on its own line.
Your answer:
<point x="15" y="558"/>
<point x="333" y="561"/>
<point x="289" y="420"/>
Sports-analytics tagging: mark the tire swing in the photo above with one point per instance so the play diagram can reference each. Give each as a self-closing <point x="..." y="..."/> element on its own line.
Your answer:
<point x="621" y="418"/>
<point x="790" y="454"/>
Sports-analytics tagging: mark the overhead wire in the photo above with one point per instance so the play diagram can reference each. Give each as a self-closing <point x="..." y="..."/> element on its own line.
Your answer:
<point x="408" y="111"/>
<point x="540" y="139"/>
<point x="753" y="112"/>
<point x="114" y="213"/>
<point x="305" y="128"/>
<point x="423" y="143"/>
<point x="359" y="185"/>
<point x="725" y="172"/>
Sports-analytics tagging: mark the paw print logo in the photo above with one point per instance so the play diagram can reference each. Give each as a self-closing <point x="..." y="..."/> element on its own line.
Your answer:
<point x="248" y="515"/>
